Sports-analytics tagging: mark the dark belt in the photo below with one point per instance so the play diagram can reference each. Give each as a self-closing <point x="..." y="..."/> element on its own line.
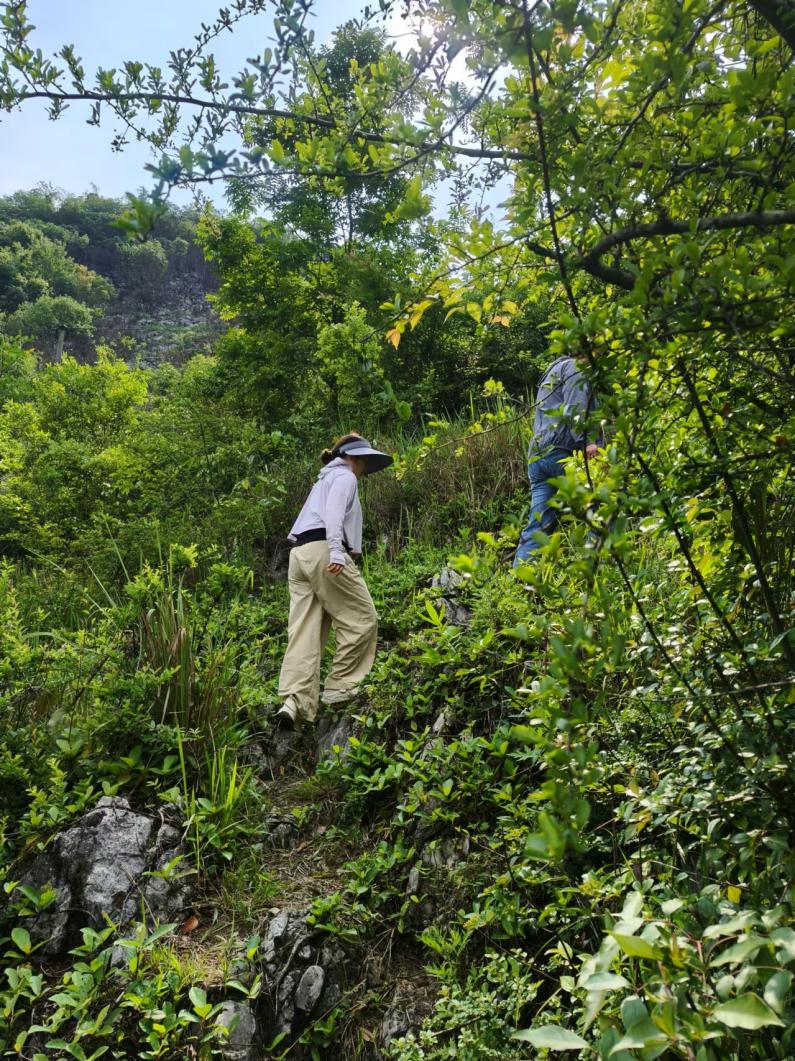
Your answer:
<point x="317" y="534"/>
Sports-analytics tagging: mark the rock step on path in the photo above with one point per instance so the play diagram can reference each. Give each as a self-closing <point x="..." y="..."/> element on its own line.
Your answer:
<point x="110" y="863"/>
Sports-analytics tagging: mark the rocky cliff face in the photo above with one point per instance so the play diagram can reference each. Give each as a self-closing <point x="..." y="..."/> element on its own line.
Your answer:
<point x="171" y="327"/>
<point x="164" y="318"/>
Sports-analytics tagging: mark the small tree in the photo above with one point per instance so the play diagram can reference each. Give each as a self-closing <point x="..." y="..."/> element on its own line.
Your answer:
<point x="49" y="320"/>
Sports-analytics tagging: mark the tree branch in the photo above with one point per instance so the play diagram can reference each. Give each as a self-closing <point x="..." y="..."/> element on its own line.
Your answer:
<point x="593" y="264"/>
<point x="251" y="110"/>
<point x="548" y="198"/>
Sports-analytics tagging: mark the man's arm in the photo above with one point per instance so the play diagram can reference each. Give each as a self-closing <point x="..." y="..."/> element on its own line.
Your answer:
<point x="340" y="495"/>
<point x="579" y="402"/>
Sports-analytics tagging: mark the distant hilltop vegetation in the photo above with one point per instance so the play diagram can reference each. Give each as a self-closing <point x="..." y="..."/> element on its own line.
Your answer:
<point x="71" y="277"/>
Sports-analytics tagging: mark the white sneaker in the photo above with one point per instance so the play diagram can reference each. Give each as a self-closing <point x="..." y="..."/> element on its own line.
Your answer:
<point x="287" y="715"/>
<point x="339" y="696"/>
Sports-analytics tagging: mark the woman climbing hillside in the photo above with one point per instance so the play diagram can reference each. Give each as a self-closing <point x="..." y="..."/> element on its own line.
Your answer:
<point x="326" y="588"/>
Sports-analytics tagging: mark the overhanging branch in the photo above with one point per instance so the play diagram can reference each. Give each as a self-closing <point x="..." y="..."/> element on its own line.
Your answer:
<point x="592" y="261"/>
<point x="253" y="111"/>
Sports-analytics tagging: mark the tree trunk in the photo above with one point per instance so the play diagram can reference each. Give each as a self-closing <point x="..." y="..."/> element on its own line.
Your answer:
<point x="58" y="352"/>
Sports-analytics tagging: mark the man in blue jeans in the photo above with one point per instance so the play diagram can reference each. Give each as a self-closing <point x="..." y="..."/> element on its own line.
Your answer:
<point x="564" y="403"/>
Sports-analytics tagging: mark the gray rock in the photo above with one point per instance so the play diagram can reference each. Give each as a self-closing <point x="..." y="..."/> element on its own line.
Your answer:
<point x="242" y="1042"/>
<point x="447" y="853"/>
<point x="440" y="723"/>
<point x="254" y="756"/>
<point x="413" y="883"/>
<point x="332" y="994"/>
<point x="282" y="747"/>
<point x="332" y="736"/>
<point x="102" y="866"/>
<point x="310" y="988"/>
<point x="331" y="955"/>
<point x="451" y="584"/>
<point x="422" y="909"/>
<point x="277" y="932"/>
<point x="303" y="971"/>
<point x="395" y="1024"/>
<point x="285" y="1006"/>
<point x="439" y="855"/>
<point x="281" y="830"/>
<point x="449" y="580"/>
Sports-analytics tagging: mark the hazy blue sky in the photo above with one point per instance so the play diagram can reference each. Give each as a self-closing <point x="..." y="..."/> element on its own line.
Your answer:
<point x="72" y="155"/>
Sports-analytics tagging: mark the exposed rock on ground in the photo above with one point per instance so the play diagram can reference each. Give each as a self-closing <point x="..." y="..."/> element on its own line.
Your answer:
<point x="395" y="1024"/>
<point x="283" y="747"/>
<point x="243" y="1042"/>
<point x="451" y="585"/>
<point x="305" y="974"/>
<point x="282" y="831"/>
<point x="443" y="855"/>
<point x="332" y="733"/>
<point x="102" y="865"/>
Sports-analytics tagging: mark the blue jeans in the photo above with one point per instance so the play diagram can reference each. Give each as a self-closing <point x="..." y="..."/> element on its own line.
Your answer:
<point x="542" y="516"/>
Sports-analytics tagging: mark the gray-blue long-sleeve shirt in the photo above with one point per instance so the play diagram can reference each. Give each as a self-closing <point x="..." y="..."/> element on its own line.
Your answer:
<point x="564" y="402"/>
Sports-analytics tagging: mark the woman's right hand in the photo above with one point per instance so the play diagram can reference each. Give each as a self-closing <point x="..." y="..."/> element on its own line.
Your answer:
<point x="335" y="569"/>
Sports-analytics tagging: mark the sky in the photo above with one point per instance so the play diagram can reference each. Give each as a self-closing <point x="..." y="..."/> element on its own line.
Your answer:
<point x="72" y="155"/>
<point x="76" y="157"/>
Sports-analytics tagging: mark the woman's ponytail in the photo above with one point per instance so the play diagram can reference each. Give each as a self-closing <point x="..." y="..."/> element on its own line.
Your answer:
<point x="329" y="454"/>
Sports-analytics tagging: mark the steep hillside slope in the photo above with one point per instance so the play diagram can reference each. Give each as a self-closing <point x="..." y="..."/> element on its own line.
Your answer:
<point x="534" y="817"/>
<point x="152" y="306"/>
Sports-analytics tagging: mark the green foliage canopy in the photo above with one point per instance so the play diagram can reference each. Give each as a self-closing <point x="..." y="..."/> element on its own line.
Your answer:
<point x="616" y="745"/>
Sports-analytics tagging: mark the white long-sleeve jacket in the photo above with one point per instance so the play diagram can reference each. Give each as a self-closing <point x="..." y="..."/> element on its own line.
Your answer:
<point x="333" y="504"/>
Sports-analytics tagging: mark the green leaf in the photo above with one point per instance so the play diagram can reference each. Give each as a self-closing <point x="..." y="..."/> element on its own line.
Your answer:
<point x="784" y="938"/>
<point x="738" y="952"/>
<point x="777" y="990"/>
<point x="643" y="1033"/>
<point x="525" y="734"/>
<point x="198" y="998"/>
<point x="746" y="1011"/>
<point x="159" y="932"/>
<point x="21" y="938"/>
<point x="605" y="982"/>
<point x="636" y="947"/>
<point x="521" y="632"/>
<point x="552" y="1037"/>
<point x="728" y="928"/>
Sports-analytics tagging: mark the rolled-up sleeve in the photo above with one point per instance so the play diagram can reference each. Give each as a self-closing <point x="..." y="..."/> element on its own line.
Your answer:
<point x="341" y="494"/>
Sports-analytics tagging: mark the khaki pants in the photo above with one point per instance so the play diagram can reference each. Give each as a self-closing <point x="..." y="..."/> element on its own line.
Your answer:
<point x="319" y="600"/>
